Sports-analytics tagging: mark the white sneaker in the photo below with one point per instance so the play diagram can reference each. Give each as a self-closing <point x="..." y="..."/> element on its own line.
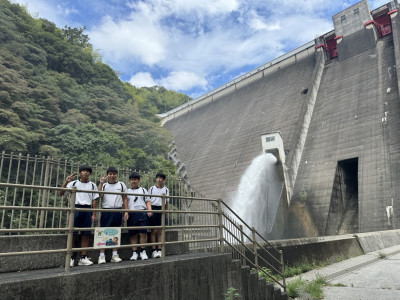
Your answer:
<point x="143" y="255"/>
<point x="135" y="256"/>
<point x="85" y="262"/>
<point x="71" y="262"/>
<point x="115" y="258"/>
<point x="102" y="260"/>
<point x="159" y="253"/>
<point x="154" y="254"/>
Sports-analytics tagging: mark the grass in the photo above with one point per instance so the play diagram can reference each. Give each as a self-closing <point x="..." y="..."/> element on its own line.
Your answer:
<point x="231" y="294"/>
<point x="298" y="287"/>
<point x="381" y="255"/>
<point x="299" y="268"/>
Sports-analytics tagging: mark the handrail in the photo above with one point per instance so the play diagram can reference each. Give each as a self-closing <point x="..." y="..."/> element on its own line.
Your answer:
<point x="222" y="229"/>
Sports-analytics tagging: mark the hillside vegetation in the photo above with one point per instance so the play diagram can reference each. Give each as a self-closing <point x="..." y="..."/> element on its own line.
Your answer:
<point x="58" y="99"/>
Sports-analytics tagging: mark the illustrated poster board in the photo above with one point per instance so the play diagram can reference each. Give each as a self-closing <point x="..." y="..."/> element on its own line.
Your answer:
<point x="107" y="237"/>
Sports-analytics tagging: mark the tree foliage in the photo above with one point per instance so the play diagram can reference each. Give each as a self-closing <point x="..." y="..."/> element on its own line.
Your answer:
<point x="58" y="98"/>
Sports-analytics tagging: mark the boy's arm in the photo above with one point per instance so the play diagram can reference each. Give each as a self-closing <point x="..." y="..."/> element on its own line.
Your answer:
<point x="125" y="206"/>
<point x="102" y="181"/>
<point x="148" y="205"/>
<point x="64" y="185"/>
<point x="94" y="204"/>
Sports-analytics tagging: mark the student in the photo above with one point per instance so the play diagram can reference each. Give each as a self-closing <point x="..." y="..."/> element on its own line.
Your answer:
<point x="156" y="202"/>
<point x="138" y="218"/>
<point x="112" y="201"/>
<point x="82" y="200"/>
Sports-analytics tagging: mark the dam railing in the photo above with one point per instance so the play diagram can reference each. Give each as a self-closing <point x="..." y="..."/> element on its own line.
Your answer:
<point x="205" y="224"/>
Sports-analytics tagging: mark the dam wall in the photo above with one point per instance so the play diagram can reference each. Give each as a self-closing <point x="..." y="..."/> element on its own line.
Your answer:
<point x="337" y="111"/>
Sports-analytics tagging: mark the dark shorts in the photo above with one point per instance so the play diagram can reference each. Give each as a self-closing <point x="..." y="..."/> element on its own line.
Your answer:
<point x="155" y="219"/>
<point x="138" y="219"/>
<point x="83" y="219"/>
<point x="111" y="219"/>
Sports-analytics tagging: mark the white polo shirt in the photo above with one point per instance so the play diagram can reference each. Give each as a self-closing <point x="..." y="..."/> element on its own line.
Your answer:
<point x="82" y="198"/>
<point x="111" y="200"/>
<point x="154" y="190"/>
<point x="137" y="202"/>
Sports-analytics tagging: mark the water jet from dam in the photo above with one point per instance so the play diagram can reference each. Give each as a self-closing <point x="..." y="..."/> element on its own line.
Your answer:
<point x="257" y="197"/>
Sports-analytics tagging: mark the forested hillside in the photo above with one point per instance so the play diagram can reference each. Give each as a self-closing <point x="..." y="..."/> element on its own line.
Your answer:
<point x="57" y="98"/>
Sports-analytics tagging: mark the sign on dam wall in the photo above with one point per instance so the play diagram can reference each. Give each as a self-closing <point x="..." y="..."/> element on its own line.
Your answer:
<point x="338" y="113"/>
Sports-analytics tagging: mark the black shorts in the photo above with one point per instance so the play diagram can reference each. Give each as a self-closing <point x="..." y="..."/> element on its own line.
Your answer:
<point x="111" y="219"/>
<point x="83" y="219"/>
<point x="155" y="219"/>
<point x="138" y="219"/>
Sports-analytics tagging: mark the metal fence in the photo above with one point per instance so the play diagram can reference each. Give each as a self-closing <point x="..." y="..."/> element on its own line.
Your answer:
<point x="29" y="205"/>
<point x="46" y="171"/>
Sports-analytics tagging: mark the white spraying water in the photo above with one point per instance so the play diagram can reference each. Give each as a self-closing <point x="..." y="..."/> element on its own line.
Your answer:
<point x="257" y="197"/>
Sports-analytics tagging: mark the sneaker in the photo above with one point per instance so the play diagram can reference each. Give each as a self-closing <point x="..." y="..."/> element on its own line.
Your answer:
<point x="115" y="258"/>
<point x="154" y="254"/>
<point x="85" y="262"/>
<point x="102" y="260"/>
<point x="71" y="262"/>
<point x="135" y="256"/>
<point x="159" y="253"/>
<point x="143" y="255"/>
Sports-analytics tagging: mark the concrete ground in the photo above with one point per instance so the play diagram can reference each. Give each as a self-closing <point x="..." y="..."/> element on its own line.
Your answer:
<point x="372" y="276"/>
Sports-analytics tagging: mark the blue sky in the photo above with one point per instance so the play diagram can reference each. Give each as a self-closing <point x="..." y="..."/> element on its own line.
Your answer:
<point x="192" y="46"/>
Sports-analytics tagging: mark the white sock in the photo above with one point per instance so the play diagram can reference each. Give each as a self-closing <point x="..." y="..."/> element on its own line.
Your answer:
<point x="115" y="253"/>
<point x="102" y="254"/>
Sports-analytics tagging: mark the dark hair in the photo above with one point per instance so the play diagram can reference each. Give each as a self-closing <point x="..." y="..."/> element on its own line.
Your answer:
<point x="112" y="169"/>
<point x="85" y="167"/>
<point x="161" y="174"/>
<point x="134" y="175"/>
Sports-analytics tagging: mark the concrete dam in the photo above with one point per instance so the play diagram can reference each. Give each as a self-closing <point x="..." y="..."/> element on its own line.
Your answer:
<point x="335" y="104"/>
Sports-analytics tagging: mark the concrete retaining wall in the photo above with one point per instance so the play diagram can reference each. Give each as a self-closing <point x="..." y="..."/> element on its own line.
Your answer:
<point x="334" y="248"/>
<point x="197" y="276"/>
<point x="59" y="241"/>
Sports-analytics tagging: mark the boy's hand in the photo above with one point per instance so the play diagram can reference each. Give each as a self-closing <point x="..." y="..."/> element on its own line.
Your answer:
<point x="103" y="179"/>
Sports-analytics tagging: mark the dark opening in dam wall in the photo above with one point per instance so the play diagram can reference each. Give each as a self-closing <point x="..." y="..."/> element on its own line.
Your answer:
<point x="339" y="118"/>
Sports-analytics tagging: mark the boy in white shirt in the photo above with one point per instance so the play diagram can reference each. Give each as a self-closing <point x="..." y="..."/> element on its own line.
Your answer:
<point x="156" y="204"/>
<point x="82" y="200"/>
<point x="112" y="201"/>
<point x="138" y="218"/>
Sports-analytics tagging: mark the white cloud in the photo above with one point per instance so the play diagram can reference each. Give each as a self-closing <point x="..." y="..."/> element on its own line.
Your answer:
<point x="50" y="10"/>
<point x="195" y="42"/>
<point x="142" y="79"/>
<point x="182" y="80"/>
<point x="135" y="39"/>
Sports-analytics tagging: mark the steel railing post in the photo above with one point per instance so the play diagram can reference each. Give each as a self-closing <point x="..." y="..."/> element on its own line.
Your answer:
<point x="253" y="231"/>
<point x="46" y="179"/>
<point x="283" y="270"/>
<point x="220" y="227"/>
<point x="243" y="250"/>
<point x="162" y="227"/>
<point x="70" y="230"/>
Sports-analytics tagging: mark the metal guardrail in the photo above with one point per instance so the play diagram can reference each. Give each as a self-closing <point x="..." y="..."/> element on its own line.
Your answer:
<point x="212" y="228"/>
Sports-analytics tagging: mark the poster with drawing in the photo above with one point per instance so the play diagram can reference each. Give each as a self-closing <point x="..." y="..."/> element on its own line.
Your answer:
<point x="107" y="237"/>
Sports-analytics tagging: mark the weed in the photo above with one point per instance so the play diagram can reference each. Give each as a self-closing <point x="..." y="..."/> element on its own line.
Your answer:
<point x="267" y="274"/>
<point x="337" y="284"/>
<point x="381" y="255"/>
<point x="231" y="294"/>
<point x="293" y="288"/>
<point x="299" y="286"/>
<point x="303" y="196"/>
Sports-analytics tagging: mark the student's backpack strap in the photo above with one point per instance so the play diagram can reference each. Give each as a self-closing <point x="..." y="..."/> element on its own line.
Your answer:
<point x="144" y="197"/>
